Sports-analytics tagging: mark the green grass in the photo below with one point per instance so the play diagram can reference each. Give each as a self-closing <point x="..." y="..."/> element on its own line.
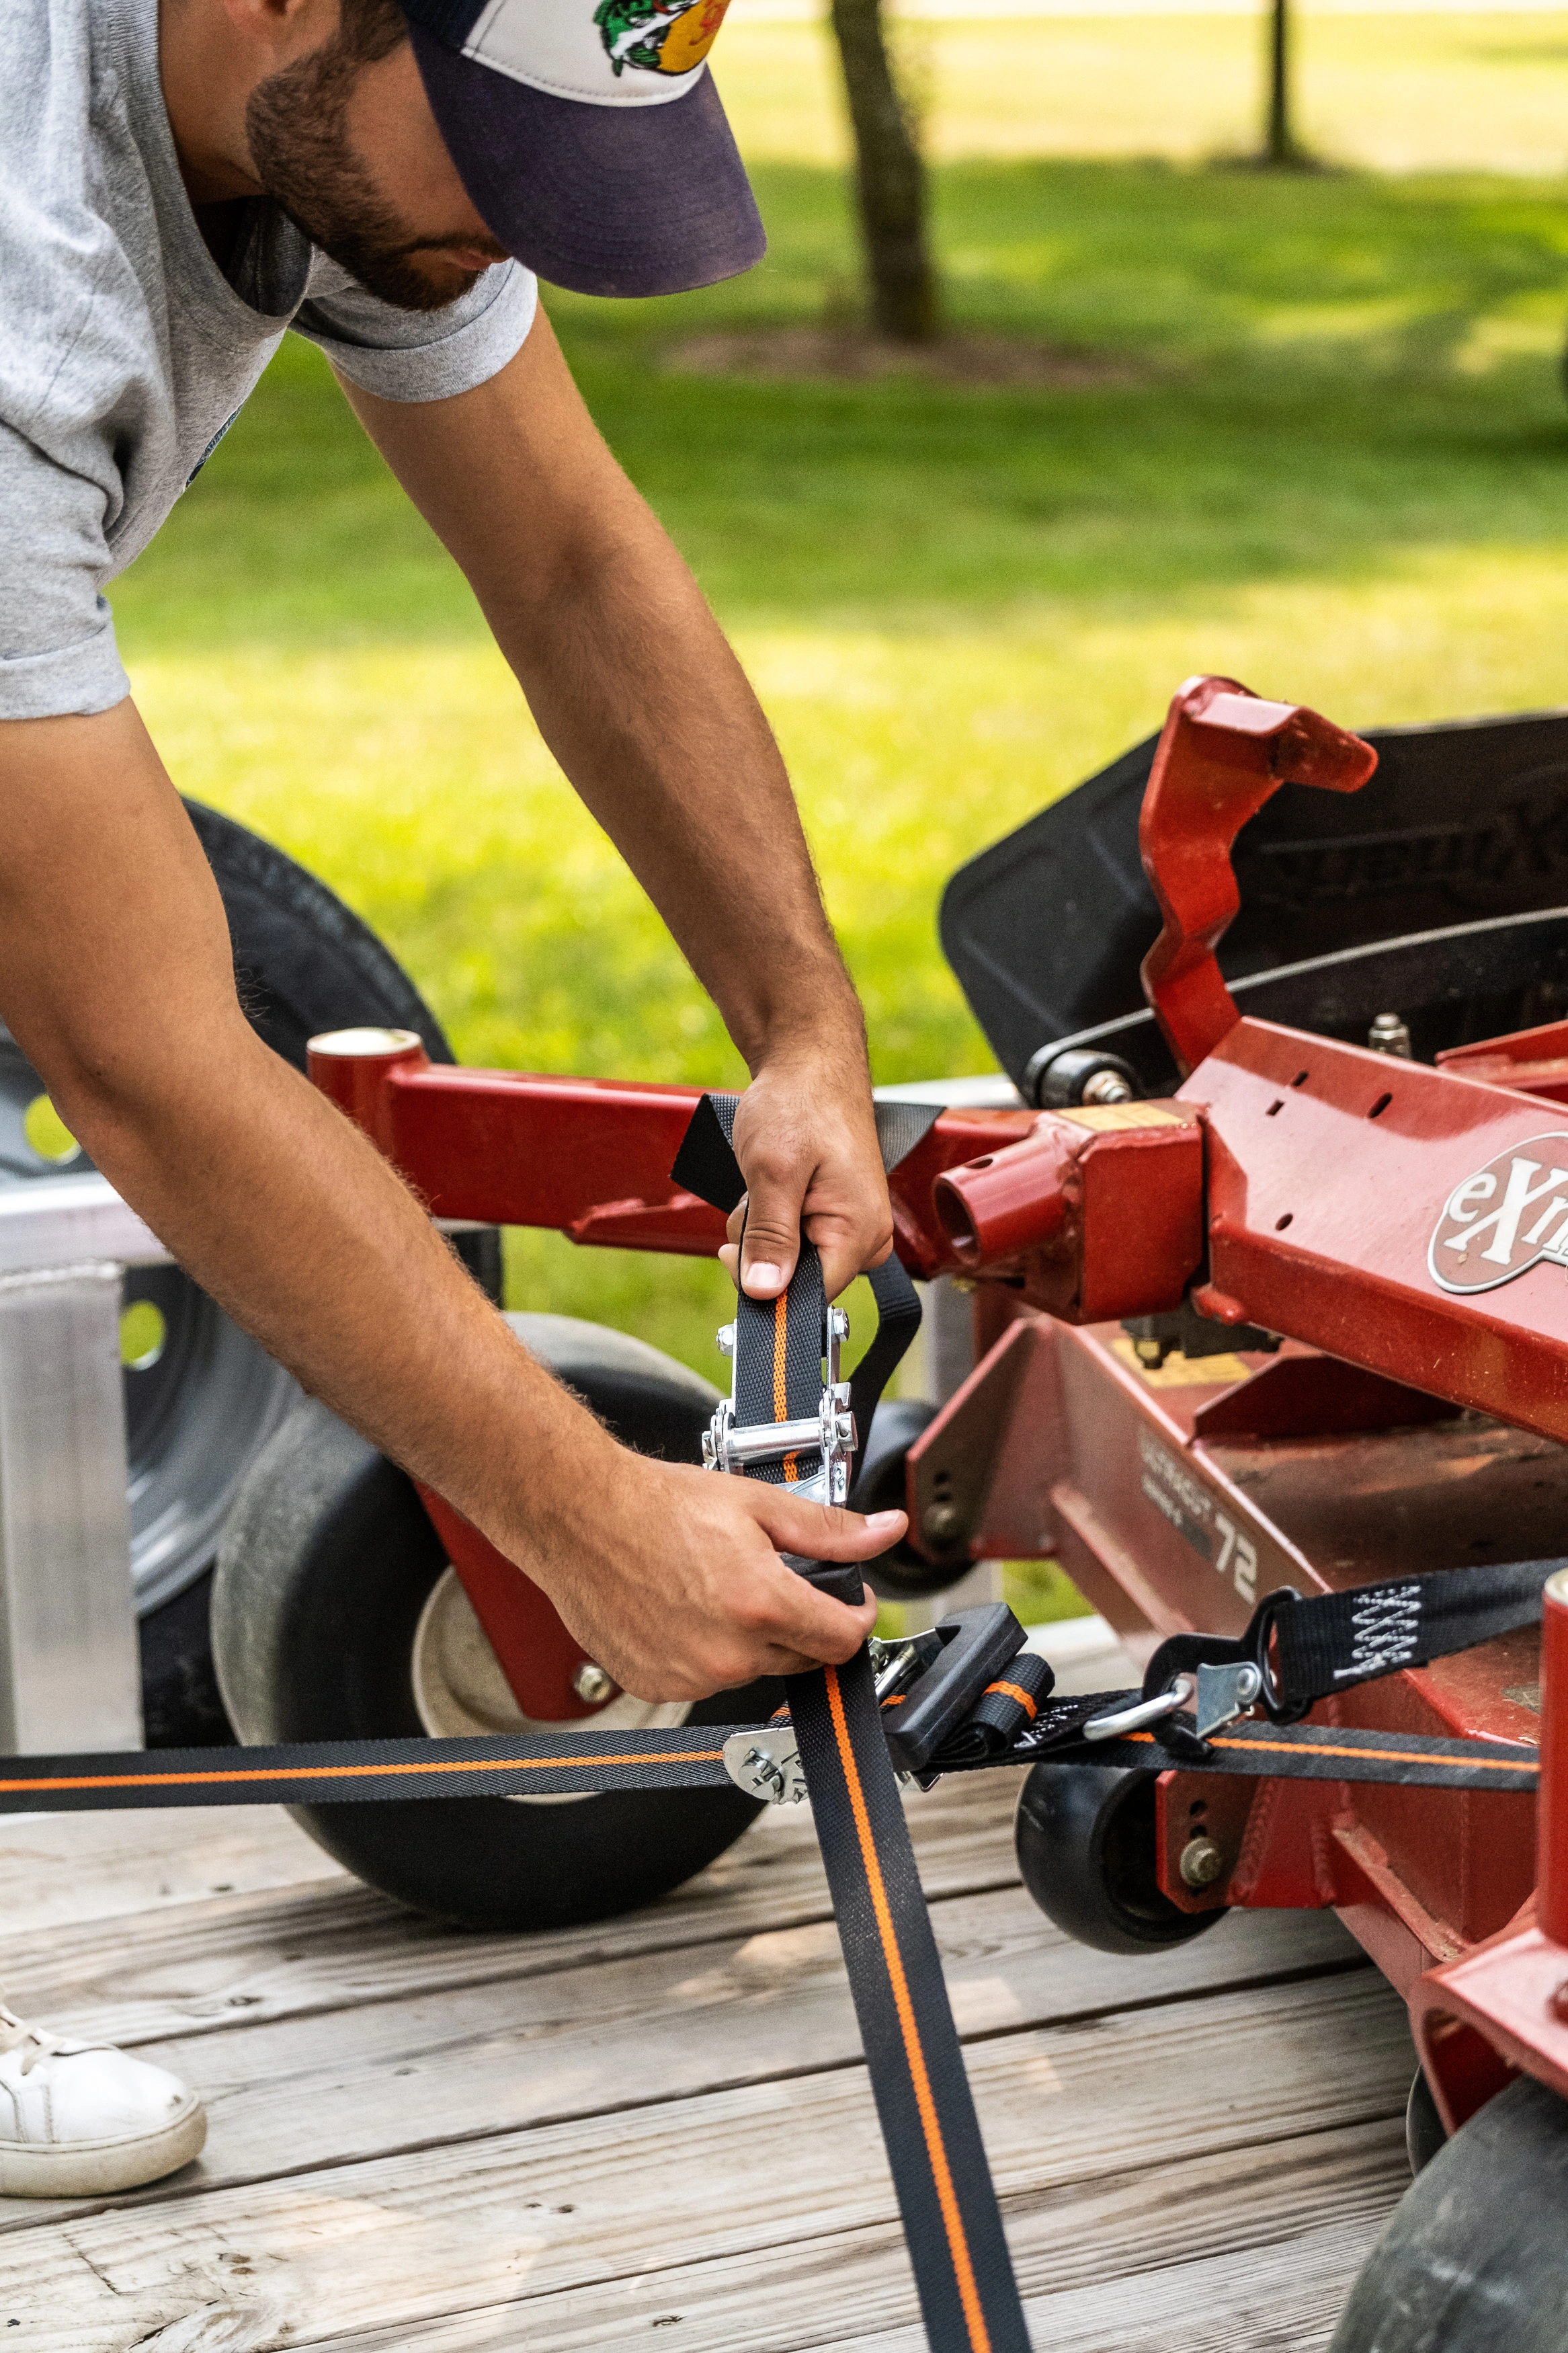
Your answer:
<point x="1336" y="465"/>
<point x="1402" y="93"/>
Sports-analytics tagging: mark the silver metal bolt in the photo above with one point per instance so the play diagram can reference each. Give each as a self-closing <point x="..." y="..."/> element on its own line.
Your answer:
<point x="942" y="1523"/>
<point x="1388" y="1035"/>
<point x="1202" y="1863"/>
<point x="591" y="1684"/>
<point x="726" y="1339"/>
<point x="1107" y="1087"/>
<point x="838" y="1322"/>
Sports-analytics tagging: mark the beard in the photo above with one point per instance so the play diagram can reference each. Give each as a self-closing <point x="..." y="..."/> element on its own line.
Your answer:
<point x="297" y="124"/>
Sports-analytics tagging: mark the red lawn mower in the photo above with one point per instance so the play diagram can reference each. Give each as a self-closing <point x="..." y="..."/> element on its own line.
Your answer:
<point x="1268" y="1290"/>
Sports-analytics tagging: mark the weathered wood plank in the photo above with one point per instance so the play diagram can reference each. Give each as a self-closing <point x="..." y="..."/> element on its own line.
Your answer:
<point x="205" y="1970"/>
<point x="404" y="2239"/>
<point x="1190" y="2257"/>
<point x="333" y="1942"/>
<point x="57" y="1870"/>
<point x="590" y="2041"/>
<point x="1172" y="2260"/>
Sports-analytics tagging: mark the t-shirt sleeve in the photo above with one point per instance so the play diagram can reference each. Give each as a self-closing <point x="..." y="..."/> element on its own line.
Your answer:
<point x="423" y="354"/>
<point x="57" y="654"/>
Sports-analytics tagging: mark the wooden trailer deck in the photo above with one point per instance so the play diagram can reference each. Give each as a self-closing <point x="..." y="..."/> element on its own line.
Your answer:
<point x="658" y="2132"/>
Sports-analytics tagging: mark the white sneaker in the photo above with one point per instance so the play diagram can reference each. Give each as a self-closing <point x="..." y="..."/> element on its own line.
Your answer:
<point x="77" y="2118"/>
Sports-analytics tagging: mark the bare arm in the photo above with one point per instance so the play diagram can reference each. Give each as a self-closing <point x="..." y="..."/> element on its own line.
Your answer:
<point x="116" y="979"/>
<point x="650" y="715"/>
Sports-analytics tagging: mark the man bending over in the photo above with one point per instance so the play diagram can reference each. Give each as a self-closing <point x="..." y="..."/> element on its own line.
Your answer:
<point x="178" y="187"/>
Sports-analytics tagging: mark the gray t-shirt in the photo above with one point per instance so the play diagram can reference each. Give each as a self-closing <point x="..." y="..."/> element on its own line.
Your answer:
<point x="124" y="351"/>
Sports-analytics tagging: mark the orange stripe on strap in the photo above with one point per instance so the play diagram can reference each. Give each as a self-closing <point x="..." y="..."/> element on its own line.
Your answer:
<point x="347" y="1772"/>
<point x="1015" y="1691"/>
<point x="1378" y="1756"/>
<point x="936" y="2149"/>
<point x="781" y="1380"/>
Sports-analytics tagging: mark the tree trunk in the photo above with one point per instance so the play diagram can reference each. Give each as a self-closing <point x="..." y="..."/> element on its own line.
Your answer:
<point x="1278" y="144"/>
<point x="890" y="179"/>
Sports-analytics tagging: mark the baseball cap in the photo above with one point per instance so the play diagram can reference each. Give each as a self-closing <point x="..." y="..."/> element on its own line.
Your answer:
<point x="589" y="138"/>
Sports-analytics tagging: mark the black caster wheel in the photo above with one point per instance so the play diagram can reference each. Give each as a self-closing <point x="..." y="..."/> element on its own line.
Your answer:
<point x="201" y="1398"/>
<point x="336" y="1616"/>
<point x="1086" y="1842"/>
<point x="1474" y="2259"/>
<point x="1424" y="2131"/>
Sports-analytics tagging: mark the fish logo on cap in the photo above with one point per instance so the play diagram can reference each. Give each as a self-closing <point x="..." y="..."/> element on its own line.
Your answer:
<point x="667" y="40"/>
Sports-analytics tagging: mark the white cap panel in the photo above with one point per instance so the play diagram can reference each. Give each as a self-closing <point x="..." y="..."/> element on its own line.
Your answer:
<point x="617" y="53"/>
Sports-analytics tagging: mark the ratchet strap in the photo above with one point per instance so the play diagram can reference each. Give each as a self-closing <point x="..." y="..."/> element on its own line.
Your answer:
<point x="1307" y="1650"/>
<point x="1301" y="1752"/>
<point x="338" y="1772"/>
<point x="952" y="2225"/>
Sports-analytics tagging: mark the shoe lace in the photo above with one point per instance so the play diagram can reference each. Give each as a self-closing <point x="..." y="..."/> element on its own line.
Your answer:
<point x="35" y="2042"/>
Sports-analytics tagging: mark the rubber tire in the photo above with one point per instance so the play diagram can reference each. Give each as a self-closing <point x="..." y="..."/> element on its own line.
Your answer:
<point x="303" y="964"/>
<point x="1424" y="2131"/>
<point x="1085" y="1840"/>
<point x="325" y="1567"/>
<point x="1476" y="2258"/>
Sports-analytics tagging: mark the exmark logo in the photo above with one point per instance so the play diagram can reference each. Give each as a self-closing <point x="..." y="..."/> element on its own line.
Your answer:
<point x="1505" y="1218"/>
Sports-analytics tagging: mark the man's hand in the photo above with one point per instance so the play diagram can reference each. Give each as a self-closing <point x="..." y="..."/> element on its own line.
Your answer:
<point x="805" y="1137"/>
<point x="670" y="1578"/>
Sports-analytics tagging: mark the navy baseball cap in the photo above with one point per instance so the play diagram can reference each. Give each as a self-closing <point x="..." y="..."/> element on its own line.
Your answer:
<point x="589" y="138"/>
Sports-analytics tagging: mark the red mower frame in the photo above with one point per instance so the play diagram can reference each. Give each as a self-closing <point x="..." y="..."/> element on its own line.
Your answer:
<point x="1402" y="1229"/>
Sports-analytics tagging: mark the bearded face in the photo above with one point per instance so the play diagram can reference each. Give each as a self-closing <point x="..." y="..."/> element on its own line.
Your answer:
<point x="304" y="156"/>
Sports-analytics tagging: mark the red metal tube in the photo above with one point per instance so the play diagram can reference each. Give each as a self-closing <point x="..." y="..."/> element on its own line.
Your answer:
<point x="1007" y="1201"/>
<point x="1552" y="1818"/>
<point x="350" y="1066"/>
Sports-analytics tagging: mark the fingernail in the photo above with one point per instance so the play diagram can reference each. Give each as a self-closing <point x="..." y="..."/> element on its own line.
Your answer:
<point x="762" y="1279"/>
<point x="883" y="1524"/>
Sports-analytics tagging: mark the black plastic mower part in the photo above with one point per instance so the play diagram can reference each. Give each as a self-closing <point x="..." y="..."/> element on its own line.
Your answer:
<point x="1064" y="1078"/>
<point x="1085" y="1841"/>
<point x="1183" y="1329"/>
<point x="1462" y="822"/>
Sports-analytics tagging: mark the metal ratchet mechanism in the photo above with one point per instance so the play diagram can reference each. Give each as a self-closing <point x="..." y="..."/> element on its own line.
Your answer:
<point x="830" y="1432"/>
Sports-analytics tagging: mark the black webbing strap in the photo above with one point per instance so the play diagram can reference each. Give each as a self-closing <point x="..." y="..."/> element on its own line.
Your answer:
<point x="1307" y="1650"/>
<point x="1299" y="1752"/>
<point x="953" y="2226"/>
<point x="1336" y="1639"/>
<point x="691" y="1757"/>
<point x="317" y="1772"/>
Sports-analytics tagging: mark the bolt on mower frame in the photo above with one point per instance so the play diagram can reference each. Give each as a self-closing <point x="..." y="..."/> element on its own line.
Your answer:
<point x="1360" y="1260"/>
